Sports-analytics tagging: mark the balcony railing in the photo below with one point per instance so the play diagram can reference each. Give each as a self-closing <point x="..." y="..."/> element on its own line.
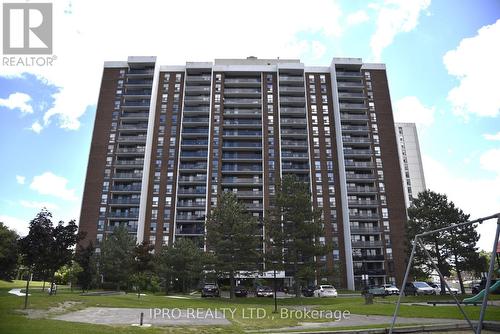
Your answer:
<point x="376" y="243"/>
<point x="359" y="176"/>
<point x="123" y="214"/>
<point x="192" y="191"/>
<point x="131" y="150"/>
<point x="124" y="201"/>
<point x="242" y="145"/>
<point x="127" y="176"/>
<point x="293" y="121"/>
<point x="237" y="180"/>
<point x="193" y="166"/>
<point x="362" y="189"/>
<point x="241" y="156"/>
<point x="242" y="122"/>
<point x="241" y="168"/>
<point x="191" y="204"/>
<point x="126" y="188"/>
<point x="243" y="112"/>
<point x="357" y="152"/>
<point x="135" y="115"/>
<point x="350" y="84"/>
<point x="373" y="216"/>
<point x="138" y="162"/>
<point x="190" y="217"/>
<point x="193" y="178"/>
<point x="361" y="140"/>
<point x="362" y="164"/>
<point x="132" y="139"/>
<point x="242" y="80"/>
<point x="294" y="155"/>
<point x="368" y="257"/>
<point x="365" y="230"/>
<point x="363" y="202"/>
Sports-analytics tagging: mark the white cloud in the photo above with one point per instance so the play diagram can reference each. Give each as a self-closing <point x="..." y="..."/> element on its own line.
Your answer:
<point x="16" y="224"/>
<point x="357" y="18"/>
<point x="410" y="109"/>
<point x="81" y="48"/>
<point x="36" y="127"/>
<point x="495" y="136"/>
<point x="318" y="49"/>
<point x="18" y="101"/>
<point x="20" y="179"/>
<point x="473" y="63"/>
<point x="38" y="205"/>
<point x="394" y="17"/>
<point x="51" y="184"/>
<point x="490" y="160"/>
<point x="477" y="196"/>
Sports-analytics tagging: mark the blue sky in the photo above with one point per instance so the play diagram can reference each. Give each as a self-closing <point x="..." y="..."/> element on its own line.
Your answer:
<point x="440" y="57"/>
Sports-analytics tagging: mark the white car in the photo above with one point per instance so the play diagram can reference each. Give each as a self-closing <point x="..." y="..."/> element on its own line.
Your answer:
<point x="390" y="289"/>
<point x="325" y="291"/>
<point x="437" y="288"/>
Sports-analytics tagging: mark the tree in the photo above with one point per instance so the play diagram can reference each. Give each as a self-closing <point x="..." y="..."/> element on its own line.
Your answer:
<point x="86" y="258"/>
<point x="462" y="245"/>
<point x="143" y="266"/>
<point x="431" y="211"/>
<point x="9" y="253"/>
<point x="117" y="256"/>
<point x="68" y="274"/>
<point x="64" y="238"/>
<point x="35" y="247"/>
<point x="233" y="237"/>
<point x="293" y="231"/>
<point x="181" y="262"/>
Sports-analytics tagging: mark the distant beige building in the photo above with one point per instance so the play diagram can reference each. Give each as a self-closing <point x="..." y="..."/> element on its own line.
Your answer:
<point x="410" y="161"/>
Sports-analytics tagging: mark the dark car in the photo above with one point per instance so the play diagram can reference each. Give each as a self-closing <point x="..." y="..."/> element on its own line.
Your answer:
<point x="210" y="290"/>
<point x="479" y="287"/>
<point x="240" y="291"/>
<point x="374" y="290"/>
<point x="418" y="288"/>
<point x="264" y="291"/>
<point x="308" y="292"/>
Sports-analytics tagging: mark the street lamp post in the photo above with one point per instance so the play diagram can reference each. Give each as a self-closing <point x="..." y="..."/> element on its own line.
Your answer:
<point x="275" y="297"/>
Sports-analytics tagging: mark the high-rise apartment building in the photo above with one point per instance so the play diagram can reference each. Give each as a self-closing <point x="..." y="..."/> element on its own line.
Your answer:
<point x="169" y="139"/>
<point x="412" y="170"/>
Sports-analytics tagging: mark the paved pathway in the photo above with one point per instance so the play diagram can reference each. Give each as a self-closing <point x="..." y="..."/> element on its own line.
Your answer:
<point x="363" y="320"/>
<point x="129" y="316"/>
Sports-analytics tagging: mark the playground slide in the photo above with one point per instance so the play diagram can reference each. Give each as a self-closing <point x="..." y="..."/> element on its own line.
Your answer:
<point x="479" y="296"/>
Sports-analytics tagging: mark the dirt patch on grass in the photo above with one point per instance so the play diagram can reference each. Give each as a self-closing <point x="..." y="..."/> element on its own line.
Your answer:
<point x="53" y="311"/>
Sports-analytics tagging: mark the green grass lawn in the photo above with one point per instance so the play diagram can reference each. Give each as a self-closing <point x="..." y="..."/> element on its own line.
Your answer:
<point x="11" y="321"/>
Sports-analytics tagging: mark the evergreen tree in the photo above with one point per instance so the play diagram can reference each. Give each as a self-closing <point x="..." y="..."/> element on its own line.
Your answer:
<point x="117" y="257"/>
<point x="181" y="262"/>
<point x="293" y="231"/>
<point x="143" y="266"/>
<point x="449" y="249"/>
<point x="233" y="238"/>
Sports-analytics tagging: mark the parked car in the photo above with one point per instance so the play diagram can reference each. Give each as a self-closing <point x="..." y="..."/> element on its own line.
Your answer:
<point x="210" y="290"/>
<point x="240" y="291"/>
<point x="264" y="291"/>
<point x="325" y="291"/>
<point x="479" y="287"/>
<point x="437" y="288"/>
<point x="390" y="289"/>
<point x="309" y="291"/>
<point x="374" y="290"/>
<point x="418" y="288"/>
